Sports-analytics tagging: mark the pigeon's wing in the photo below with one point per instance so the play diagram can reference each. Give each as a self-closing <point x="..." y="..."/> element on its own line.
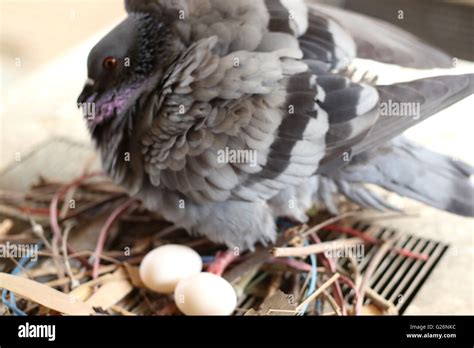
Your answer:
<point x="396" y="108"/>
<point x="320" y="38"/>
<point x="368" y="156"/>
<point x="427" y="96"/>
<point x="335" y="36"/>
<point x="381" y="41"/>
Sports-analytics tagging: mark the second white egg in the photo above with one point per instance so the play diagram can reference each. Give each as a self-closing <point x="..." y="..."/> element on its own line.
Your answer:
<point x="205" y="294"/>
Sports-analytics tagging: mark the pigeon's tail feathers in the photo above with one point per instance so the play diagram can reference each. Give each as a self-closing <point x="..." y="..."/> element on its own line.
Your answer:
<point x="415" y="172"/>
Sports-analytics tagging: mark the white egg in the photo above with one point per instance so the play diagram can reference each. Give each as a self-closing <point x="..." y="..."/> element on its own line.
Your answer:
<point x="205" y="294"/>
<point x="162" y="268"/>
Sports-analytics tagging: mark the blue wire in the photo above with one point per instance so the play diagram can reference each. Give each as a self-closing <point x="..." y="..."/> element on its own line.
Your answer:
<point x="207" y="259"/>
<point x="313" y="281"/>
<point x="11" y="304"/>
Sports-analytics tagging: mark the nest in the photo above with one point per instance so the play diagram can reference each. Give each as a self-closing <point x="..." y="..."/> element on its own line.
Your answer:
<point x="75" y="248"/>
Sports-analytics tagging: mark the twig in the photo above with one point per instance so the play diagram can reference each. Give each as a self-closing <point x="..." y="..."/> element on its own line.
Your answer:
<point x="379" y="255"/>
<point x="91" y="253"/>
<point x="68" y="196"/>
<point x="166" y="231"/>
<point x="5" y="227"/>
<point x="21" y="267"/>
<point x="56" y="260"/>
<point x="38" y="230"/>
<point x="80" y="275"/>
<point x="282" y="311"/>
<point x="332" y="302"/>
<point x="122" y="311"/>
<point x="242" y="284"/>
<point x="74" y="281"/>
<point x="305" y="285"/>
<point x="357" y="296"/>
<point x="388" y="216"/>
<point x="274" y="284"/>
<point x="331" y="267"/>
<point x="355" y="270"/>
<point x="13" y="212"/>
<point x="315" y="248"/>
<point x="318" y="292"/>
<point x="381" y="302"/>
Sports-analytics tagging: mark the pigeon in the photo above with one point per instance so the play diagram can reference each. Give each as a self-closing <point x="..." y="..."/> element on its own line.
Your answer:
<point x="223" y="115"/>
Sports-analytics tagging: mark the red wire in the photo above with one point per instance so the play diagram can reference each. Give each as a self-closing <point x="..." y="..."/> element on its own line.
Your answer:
<point x="121" y="209"/>
<point x="373" y="240"/>
<point x="34" y="210"/>
<point x="53" y="211"/>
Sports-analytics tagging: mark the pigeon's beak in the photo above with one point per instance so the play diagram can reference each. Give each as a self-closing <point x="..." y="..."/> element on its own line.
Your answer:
<point x="86" y="93"/>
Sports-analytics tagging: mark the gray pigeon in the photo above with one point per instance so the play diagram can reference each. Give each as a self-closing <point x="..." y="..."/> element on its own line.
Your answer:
<point x="225" y="114"/>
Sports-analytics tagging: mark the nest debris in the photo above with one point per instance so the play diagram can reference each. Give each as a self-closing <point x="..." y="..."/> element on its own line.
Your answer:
<point x="89" y="238"/>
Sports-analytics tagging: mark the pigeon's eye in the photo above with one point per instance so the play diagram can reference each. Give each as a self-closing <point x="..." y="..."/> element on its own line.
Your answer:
<point x="109" y="63"/>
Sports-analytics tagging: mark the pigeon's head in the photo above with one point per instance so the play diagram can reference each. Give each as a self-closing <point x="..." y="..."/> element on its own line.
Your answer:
<point x="124" y="65"/>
